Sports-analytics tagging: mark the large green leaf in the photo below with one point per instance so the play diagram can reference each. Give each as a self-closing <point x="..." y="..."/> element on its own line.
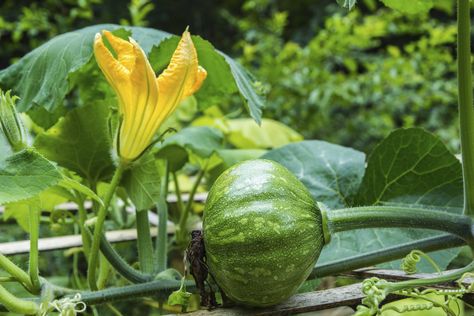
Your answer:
<point x="142" y="182"/>
<point x="423" y="169"/>
<point x="192" y="142"/>
<point x="42" y="77"/>
<point x="25" y="174"/>
<point x="80" y="142"/>
<point x="410" y="6"/>
<point x="331" y="172"/>
<point x="414" y="168"/>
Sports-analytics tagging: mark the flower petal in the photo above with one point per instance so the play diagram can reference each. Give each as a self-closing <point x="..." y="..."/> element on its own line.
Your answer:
<point x="111" y="67"/>
<point x="123" y="49"/>
<point x="179" y="77"/>
<point x="116" y="74"/>
<point x="200" y="77"/>
<point x="175" y="83"/>
<point x="144" y="104"/>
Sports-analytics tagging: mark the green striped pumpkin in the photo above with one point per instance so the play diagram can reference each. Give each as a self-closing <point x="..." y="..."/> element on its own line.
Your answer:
<point x="262" y="233"/>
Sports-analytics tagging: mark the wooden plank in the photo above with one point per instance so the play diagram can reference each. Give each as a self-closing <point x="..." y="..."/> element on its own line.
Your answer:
<point x="70" y="241"/>
<point x="396" y="275"/>
<point x="172" y="198"/>
<point x="300" y="303"/>
<point x="350" y="295"/>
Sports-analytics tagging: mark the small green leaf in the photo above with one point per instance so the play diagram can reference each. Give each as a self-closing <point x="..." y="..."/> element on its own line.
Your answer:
<point x="309" y="286"/>
<point x="410" y="6"/>
<point x="180" y="297"/>
<point x="200" y="142"/>
<point x="248" y="88"/>
<point x="24" y="175"/>
<point x="81" y="143"/>
<point x="142" y="183"/>
<point x="245" y="133"/>
<point x="20" y="211"/>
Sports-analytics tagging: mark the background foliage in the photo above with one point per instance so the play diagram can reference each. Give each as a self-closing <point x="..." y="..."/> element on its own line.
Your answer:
<point x="380" y="68"/>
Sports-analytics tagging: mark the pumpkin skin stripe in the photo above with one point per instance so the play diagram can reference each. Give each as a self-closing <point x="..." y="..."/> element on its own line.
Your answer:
<point x="262" y="233"/>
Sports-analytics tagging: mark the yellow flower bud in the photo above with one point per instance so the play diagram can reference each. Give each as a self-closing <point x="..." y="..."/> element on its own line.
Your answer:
<point x="146" y="101"/>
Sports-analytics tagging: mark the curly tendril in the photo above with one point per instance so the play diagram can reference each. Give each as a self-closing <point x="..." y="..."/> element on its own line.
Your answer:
<point x="376" y="290"/>
<point x="461" y="281"/>
<point x="411" y="260"/>
<point x="67" y="306"/>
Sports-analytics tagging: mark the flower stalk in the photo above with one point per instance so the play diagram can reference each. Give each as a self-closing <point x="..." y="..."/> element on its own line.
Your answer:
<point x="33" y="268"/>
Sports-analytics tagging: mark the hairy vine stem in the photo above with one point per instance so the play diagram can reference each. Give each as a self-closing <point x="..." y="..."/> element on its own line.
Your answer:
<point x="385" y="255"/>
<point x="394" y="216"/>
<point x="16" y="272"/>
<point x="144" y="243"/>
<point x="86" y="240"/>
<point x="162" y="209"/>
<point x="101" y="215"/>
<point x="17" y="305"/>
<point x="119" y="264"/>
<point x="33" y="268"/>
<point x="465" y="98"/>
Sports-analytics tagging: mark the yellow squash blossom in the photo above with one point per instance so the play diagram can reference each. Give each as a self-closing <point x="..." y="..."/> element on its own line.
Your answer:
<point x="146" y="101"/>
